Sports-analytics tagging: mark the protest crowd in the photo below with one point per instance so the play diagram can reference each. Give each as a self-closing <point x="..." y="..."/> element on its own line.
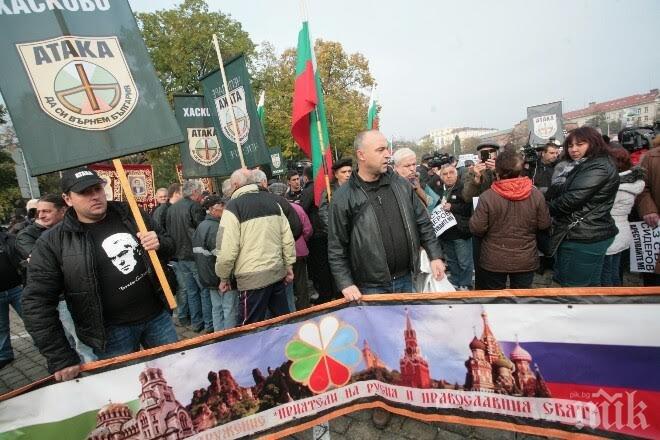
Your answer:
<point x="76" y="269"/>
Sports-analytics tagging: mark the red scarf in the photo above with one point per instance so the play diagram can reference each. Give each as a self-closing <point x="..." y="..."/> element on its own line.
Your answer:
<point x="513" y="189"/>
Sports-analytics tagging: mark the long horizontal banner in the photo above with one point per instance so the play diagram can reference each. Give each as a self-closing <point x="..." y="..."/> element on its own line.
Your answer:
<point x="547" y="369"/>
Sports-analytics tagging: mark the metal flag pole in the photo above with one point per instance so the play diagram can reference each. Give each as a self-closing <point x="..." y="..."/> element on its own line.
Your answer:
<point x="27" y="174"/>
<point x="231" y="107"/>
<point x="142" y="227"/>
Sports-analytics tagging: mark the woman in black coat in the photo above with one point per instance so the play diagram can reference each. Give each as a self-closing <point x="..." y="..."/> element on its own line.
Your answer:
<point x="580" y="199"/>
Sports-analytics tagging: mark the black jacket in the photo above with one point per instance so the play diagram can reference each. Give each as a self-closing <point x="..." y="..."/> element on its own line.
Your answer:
<point x="355" y="246"/>
<point x="587" y="193"/>
<point x="25" y="241"/>
<point x="8" y="245"/>
<point x="183" y="217"/>
<point x="319" y="228"/>
<point x="542" y="175"/>
<point x="289" y="212"/>
<point x="203" y="242"/>
<point x="462" y="211"/>
<point x="63" y="260"/>
<point x="159" y="216"/>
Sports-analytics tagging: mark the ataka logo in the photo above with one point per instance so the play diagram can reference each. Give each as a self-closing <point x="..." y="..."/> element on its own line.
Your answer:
<point x="276" y="160"/>
<point x="237" y="100"/>
<point x="204" y="146"/>
<point x="83" y="82"/>
<point x="545" y="126"/>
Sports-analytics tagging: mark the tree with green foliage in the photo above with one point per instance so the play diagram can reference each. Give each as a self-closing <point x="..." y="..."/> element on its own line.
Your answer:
<point x="344" y="78"/>
<point x="10" y="193"/>
<point x="179" y="41"/>
<point x="456" y="146"/>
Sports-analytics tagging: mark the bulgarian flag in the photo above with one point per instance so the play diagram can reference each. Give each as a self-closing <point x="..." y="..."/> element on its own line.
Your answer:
<point x="260" y="107"/>
<point x="372" y="117"/>
<point x="309" y="127"/>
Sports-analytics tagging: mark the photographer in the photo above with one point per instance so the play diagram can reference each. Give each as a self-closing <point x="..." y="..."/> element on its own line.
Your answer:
<point x="482" y="175"/>
<point x="545" y="166"/>
<point x="405" y="165"/>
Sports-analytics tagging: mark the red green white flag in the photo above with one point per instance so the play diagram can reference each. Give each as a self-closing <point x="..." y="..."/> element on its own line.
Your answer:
<point x="308" y="113"/>
<point x="372" y="111"/>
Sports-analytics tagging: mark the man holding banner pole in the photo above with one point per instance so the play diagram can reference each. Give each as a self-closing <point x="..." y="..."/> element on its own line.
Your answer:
<point x="96" y="257"/>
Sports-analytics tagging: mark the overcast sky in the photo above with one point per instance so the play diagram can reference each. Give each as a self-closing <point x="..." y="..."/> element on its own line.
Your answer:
<point x="473" y="63"/>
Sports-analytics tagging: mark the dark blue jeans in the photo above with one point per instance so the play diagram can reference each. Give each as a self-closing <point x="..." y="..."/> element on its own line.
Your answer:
<point x="610" y="275"/>
<point x="124" y="339"/>
<point x="187" y="271"/>
<point x="8" y="297"/>
<point x="396" y="285"/>
<point x="182" y="310"/>
<point x="459" y="261"/>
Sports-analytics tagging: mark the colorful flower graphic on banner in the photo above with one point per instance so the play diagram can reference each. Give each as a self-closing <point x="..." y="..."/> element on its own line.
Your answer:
<point x="323" y="354"/>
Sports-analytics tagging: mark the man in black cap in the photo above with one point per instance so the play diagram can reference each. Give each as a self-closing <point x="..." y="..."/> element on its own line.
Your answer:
<point x="482" y="175"/>
<point x="96" y="257"/>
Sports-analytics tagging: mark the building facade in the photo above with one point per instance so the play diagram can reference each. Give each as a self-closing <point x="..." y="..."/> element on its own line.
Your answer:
<point x="160" y="416"/>
<point x="489" y="370"/>
<point x="640" y="109"/>
<point x="444" y="137"/>
<point x="414" y="367"/>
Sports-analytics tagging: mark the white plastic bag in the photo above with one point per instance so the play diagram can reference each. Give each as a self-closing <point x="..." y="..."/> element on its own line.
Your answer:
<point x="426" y="282"/>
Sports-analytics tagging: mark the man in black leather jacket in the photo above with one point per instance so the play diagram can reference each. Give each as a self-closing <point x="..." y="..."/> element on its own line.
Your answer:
<point x="181" y="220"/>
<point x="93" y="256"/>
<point x="376" y="226"/>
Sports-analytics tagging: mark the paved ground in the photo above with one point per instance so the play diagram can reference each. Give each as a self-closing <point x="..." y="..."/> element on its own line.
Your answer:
<point x="30" y="366"/>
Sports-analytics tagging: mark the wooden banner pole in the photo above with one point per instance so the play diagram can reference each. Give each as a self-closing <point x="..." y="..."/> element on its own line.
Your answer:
<point x="323" y="161"/>
<point x="142" y="227"/>
<point x="231" y="107"/>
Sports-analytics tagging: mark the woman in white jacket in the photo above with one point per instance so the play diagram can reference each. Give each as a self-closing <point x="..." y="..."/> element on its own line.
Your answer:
<point x="631" y="184"/>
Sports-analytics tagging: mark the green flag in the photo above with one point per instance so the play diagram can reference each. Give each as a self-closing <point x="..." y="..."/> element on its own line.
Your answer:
<point x="201" y="152"/>
<point x="372" y="117"/>
<point x="250" y="134"/>
<point x="261" y="111"/>
<point x="79" y="84"/>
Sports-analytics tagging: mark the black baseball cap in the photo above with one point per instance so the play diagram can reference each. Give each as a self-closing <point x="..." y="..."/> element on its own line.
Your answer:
<point x="79" y="179"/>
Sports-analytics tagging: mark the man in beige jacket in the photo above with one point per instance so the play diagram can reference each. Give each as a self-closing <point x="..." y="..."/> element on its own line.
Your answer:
<point x="255" y="246"/>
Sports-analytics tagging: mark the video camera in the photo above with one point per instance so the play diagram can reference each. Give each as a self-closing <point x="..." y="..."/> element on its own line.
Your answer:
<point x="530" y="152"/>
<point x="440" y="159"/>
<point x="636" y="138"/>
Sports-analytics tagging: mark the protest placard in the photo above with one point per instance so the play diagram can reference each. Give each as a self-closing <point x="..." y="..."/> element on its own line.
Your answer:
<point x="442" y="220"/>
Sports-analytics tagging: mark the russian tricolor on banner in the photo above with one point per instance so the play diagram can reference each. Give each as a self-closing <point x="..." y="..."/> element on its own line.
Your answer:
<point x="309" y="127"/>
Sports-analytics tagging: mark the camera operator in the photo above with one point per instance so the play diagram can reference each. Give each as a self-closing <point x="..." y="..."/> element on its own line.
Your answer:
<point x="423" y="170"/>
<point x="545" y="166"/>
<point x="405" y="165"/>
<point x="637" y="140"/>
<point x="482" y="174"/>
<point x="437" y="161"/>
